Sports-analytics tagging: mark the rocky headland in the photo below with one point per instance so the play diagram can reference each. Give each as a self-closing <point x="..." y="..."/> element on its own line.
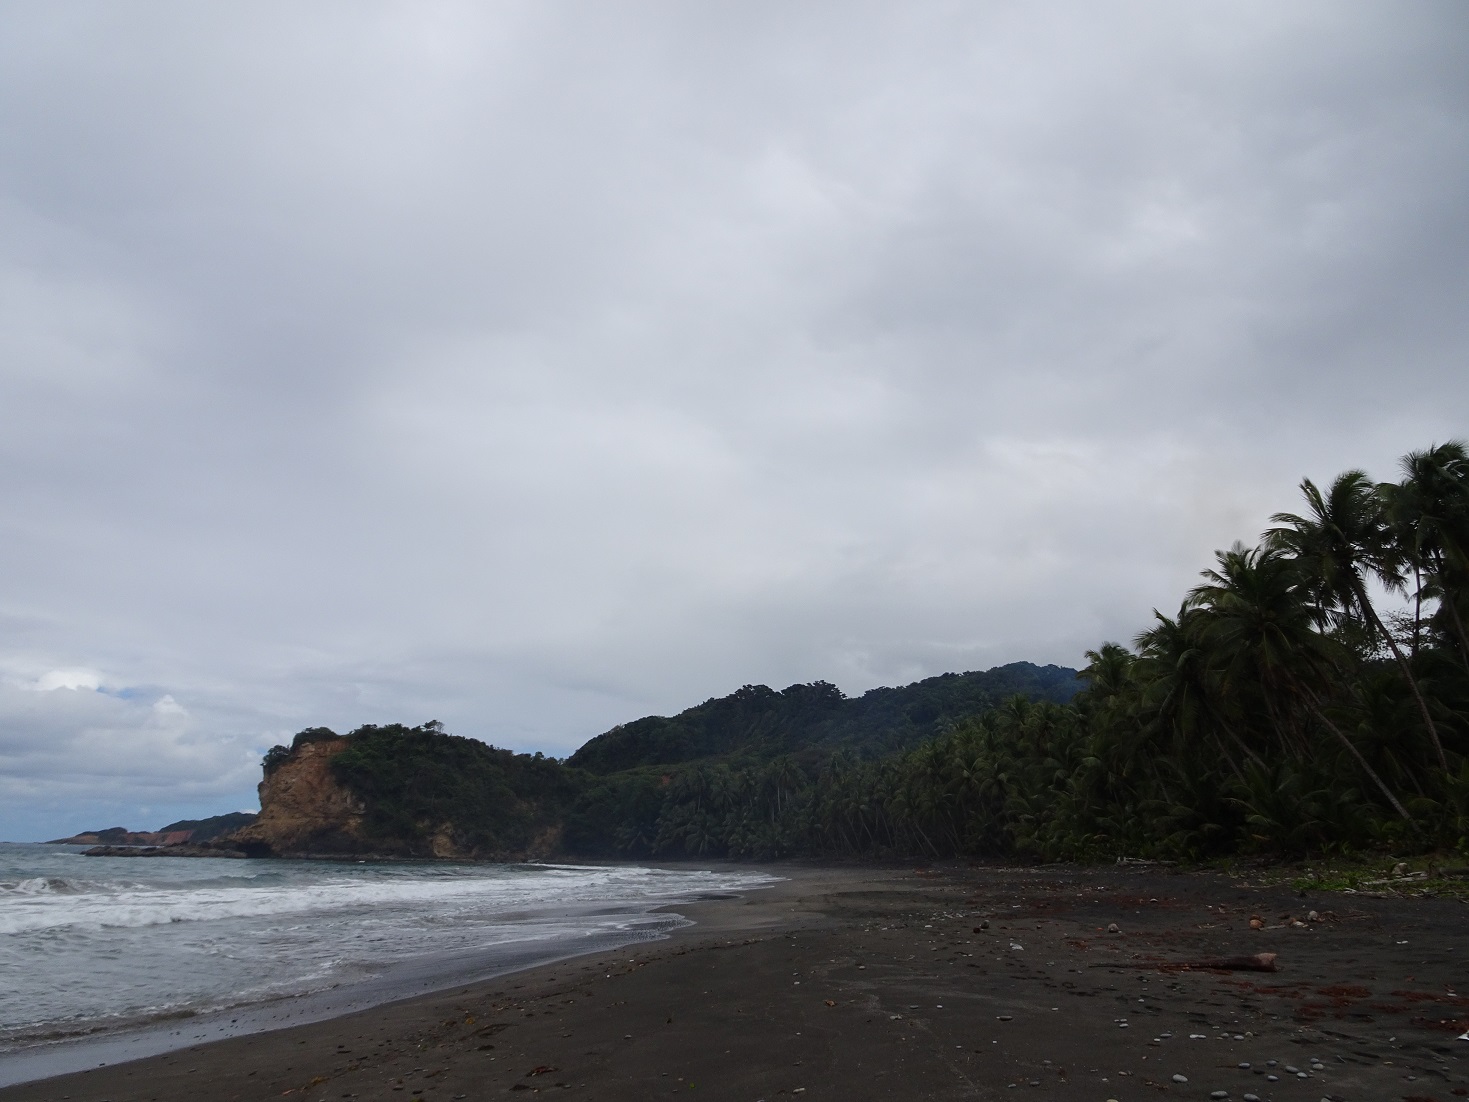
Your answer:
<point x="304" y="809"/>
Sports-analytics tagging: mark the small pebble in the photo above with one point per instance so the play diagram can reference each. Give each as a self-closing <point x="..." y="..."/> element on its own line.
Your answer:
<point x="1270" y="1063"/>
<point x="1004" y="1017"/>
<point x="1180" y="1078"/>
<point x="1272" y="1079"/>
<point x="1292" y="1069"/>
<point x="1113" y="928"/>
<point x="1252" y="1098"/>
<point x="1218" y="1094"/>
<point x="1245" y="1065"/>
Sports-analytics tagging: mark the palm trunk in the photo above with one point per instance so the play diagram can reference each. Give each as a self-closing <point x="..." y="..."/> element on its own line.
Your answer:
<point x="1407" y="671"/>
<point x="1417" y="605"/>
<point x="1315" y="706"/>
<point x="1446" y="600"/>
<point x="1228" y="730"/>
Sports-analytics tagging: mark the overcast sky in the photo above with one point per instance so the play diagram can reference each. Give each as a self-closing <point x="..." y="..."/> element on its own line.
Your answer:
<point x="535" y="367"/>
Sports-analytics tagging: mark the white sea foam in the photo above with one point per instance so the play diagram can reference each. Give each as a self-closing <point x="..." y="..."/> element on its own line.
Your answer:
<point x="85" y="940"/>
<point x="58" y="903"/>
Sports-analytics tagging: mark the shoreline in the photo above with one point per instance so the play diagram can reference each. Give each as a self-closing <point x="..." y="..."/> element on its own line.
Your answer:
<point x="949" y="982"/>
<point x="620" y="925"/>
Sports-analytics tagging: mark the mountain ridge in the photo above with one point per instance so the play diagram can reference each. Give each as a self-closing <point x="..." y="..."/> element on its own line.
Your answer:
<point x="758" y="722"/>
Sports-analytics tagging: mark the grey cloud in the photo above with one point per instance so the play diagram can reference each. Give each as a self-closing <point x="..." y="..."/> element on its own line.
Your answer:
<point x="532" y="367"/>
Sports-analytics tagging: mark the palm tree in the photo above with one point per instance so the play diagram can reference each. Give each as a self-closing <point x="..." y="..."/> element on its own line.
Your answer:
<point x="1264" y="631"/>
<point x="1345" y="536"/>
<point x="1179" y="686"/>
<point x="1429" y="513"/>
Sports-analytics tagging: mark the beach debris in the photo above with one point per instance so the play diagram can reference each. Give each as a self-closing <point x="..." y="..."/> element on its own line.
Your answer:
<point x="1255" y="962"/>
<point x="541" y="1069"/>
<point x="1004" y="1018"/>
<point x="831" y="1002"/>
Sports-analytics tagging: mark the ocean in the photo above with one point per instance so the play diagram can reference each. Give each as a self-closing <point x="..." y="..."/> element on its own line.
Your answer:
<point x="99" y="947"/>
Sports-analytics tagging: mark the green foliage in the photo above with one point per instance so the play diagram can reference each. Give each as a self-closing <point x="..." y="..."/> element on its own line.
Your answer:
<point x="416" y="782"/>
<point x="759" y="724"/>
<point x="1278" y="712"/>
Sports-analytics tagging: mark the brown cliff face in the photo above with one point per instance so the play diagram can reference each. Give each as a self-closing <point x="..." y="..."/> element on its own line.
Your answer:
<point x="303" y="810"/>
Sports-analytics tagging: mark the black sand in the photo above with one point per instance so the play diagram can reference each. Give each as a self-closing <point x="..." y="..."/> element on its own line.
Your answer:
<point x="948" y="983"/>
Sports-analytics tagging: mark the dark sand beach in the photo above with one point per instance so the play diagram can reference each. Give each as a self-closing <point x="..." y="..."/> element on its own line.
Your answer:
<point x="903" y="983"/>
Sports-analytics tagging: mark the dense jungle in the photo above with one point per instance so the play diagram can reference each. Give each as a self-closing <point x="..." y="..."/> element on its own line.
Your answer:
<point x="1309" y="696"/>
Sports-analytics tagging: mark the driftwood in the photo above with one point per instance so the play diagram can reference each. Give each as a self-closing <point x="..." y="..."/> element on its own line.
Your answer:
<point x="1255" y="962"/>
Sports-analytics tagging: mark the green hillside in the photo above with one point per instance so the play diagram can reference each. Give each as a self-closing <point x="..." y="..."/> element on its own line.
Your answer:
<point x="809" y="722"/>
<point x="215" y="826"/>
<point x="1284" y="708"/>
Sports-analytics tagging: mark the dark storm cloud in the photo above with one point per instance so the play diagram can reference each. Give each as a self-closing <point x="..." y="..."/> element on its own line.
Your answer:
<point x="533" y="367"/>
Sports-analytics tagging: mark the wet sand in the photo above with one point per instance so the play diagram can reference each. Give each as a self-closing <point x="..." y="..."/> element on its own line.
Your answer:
<point x="940" y="983"/>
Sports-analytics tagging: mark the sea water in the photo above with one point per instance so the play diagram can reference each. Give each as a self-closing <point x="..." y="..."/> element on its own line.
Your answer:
<point x="99" y="944"/>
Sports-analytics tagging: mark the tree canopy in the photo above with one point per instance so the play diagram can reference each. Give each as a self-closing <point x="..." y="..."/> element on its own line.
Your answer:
<point x="1310" y="694"/>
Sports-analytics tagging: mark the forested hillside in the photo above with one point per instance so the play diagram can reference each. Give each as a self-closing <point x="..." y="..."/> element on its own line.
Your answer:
<point x="1287" y="706"/>
<point x="812" y="721"/>
<point x="1279" y="709"/>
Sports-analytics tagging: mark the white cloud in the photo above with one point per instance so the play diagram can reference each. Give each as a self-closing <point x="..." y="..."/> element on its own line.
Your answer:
<point x="69" y="679"/>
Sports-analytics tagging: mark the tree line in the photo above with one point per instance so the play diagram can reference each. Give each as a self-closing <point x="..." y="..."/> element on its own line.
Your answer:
<point x="1310" y="695"/>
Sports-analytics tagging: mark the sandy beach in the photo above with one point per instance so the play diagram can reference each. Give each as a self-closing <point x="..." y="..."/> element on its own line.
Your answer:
<point x="909" y="983"/>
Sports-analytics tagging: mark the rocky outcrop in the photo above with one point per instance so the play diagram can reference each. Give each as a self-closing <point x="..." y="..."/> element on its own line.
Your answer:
<point x="303" y="809"/>
<point x="401" y="792"/>
<point x="119" y="837"/>
<point x="206" y="850"/>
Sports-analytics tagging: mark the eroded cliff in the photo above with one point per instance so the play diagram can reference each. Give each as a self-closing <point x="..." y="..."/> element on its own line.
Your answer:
<point x="304" y="809"/>
<point x="405" y="792"/>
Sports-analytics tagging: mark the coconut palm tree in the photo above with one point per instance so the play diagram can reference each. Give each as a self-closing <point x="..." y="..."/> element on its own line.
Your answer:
<point x="1429" y="514"/>
<point x="1346" y="536"/>
<point x="1264" y="630"/>
<point x="1179" y="687"/>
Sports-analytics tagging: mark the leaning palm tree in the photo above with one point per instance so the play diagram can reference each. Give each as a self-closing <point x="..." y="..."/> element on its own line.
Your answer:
<point x="1429" y="513"/>
<point x="1179" y="687"/>
<point x="1343" y="539"/>
<point x="1261" y="627"/>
